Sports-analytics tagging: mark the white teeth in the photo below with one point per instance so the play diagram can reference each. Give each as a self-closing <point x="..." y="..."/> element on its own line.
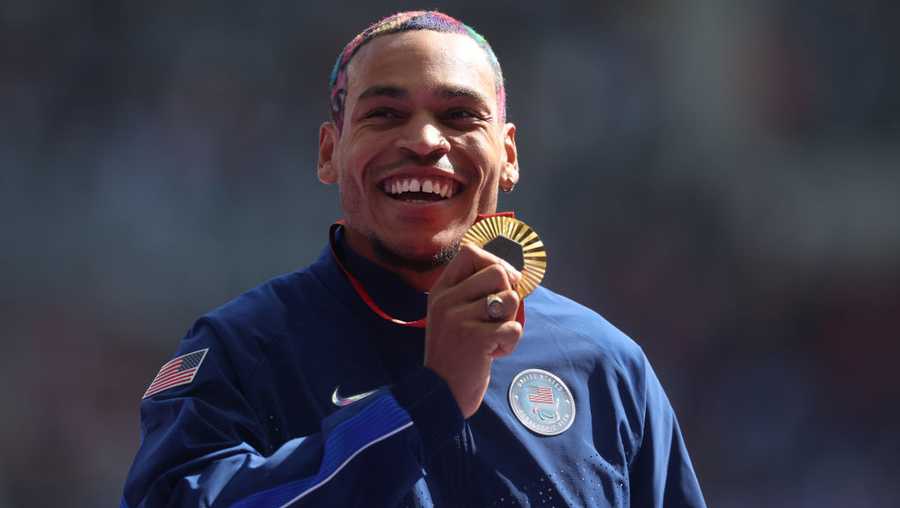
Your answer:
<point x="399" y="186"/>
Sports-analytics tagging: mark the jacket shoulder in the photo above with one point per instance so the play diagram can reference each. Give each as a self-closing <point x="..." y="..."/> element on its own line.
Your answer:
<point x="583" y="325"/>
<point x="265" y="312"/>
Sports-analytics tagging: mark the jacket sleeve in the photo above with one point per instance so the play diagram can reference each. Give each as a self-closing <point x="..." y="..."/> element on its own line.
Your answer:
<point x="202" y="443"/>
<point x="661" y="474"/>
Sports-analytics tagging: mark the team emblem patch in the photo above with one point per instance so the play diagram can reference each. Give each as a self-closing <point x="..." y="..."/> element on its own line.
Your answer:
<point x="542" y="402"/>
<point x="176" y="372"/>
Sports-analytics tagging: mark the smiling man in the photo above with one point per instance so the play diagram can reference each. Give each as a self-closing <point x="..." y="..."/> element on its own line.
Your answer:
<point x="418" y="147"/>
<point x="398" y="369"/>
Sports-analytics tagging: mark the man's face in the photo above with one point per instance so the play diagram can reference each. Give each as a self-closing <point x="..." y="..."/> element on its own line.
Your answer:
<point x="422" y="150"/>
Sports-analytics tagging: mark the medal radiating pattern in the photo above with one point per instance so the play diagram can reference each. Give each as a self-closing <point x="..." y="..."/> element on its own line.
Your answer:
<point x="533" y="252"/>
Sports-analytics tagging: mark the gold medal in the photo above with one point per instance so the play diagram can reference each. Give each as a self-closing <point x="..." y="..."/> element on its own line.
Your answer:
<point x="515" y="242"/>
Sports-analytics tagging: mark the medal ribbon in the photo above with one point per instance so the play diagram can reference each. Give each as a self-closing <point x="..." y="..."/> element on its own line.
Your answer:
<point x="367" y="299"/>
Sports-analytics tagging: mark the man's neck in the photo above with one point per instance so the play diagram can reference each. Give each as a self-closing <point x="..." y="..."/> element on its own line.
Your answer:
<point x="417" y="279"/>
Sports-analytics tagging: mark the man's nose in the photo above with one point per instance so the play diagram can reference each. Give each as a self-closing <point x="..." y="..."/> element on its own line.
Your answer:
<point x="424" y="138"/>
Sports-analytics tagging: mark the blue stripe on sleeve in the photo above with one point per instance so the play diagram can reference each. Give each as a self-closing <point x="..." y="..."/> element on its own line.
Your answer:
<point x="379" y="420"/>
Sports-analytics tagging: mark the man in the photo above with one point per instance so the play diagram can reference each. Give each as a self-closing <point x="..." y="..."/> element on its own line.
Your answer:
<point x="331" y="387"/>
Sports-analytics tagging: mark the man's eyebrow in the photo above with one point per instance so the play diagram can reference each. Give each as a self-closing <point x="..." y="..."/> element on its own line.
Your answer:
<point x="448" y="92"/>
<point x="383" y="91"/>
<point x="461" y="92"/>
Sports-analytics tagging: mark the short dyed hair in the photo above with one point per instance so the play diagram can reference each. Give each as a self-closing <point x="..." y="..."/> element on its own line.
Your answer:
<point x="402" y="22"/>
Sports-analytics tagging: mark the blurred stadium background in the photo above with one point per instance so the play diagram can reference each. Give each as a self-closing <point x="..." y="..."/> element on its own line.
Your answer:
<point x="720" y="179"/>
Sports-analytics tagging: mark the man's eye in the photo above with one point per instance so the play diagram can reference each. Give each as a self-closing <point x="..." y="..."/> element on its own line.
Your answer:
<point x="383" y="113"/>
<point x="461" y="114"/>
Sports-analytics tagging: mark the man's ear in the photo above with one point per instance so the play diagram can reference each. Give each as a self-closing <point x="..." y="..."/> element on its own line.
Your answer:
<point x="328" y="136"/>
<point x="510" y="171"/>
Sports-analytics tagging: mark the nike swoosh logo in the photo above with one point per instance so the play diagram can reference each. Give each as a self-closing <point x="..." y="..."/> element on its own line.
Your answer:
<point x="340" y="401"/>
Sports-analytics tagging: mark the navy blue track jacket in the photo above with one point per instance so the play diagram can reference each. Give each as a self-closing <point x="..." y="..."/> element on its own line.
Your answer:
<point x="256" y="424"/>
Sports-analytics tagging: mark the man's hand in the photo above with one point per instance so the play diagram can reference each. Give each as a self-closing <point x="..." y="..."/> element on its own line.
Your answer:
<point x="461" y="339"/>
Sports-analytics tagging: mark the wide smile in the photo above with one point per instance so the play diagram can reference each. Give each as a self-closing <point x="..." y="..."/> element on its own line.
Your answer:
<point x="420" y="189"/>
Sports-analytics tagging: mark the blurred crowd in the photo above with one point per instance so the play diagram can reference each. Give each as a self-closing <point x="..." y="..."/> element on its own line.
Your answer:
<point x="721" y="180"/>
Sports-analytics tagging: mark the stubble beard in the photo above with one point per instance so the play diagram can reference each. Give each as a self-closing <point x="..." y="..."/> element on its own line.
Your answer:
<point x="419" y="265"/>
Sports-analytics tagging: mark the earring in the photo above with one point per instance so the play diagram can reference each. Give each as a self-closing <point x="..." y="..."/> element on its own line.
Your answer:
<point x="507" y="185"/>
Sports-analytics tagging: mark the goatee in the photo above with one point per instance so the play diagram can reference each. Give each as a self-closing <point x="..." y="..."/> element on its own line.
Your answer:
<point x="420" y="265"/>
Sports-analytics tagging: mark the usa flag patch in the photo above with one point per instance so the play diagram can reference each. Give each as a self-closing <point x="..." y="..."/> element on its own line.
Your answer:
<point x="176" y="372"/>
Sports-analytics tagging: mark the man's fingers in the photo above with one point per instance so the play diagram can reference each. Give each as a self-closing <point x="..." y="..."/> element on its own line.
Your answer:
<point x="470" y="260"/>
<point x="477" y="310"/>
<point x="466" y="262"/>
<point x="504" y="338"/>
<point x="489" y="280"/>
